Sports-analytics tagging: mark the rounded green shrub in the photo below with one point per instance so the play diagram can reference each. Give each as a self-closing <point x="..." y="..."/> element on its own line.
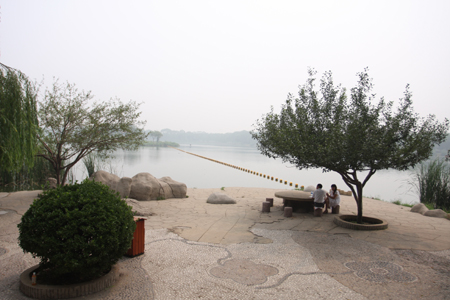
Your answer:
<point x="78" y="231"/>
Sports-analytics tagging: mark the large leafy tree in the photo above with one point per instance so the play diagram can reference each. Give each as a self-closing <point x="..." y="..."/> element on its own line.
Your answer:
<point x="73" y="126"/>
<point x="18" y="120"/>
<point x="352" y="136"/>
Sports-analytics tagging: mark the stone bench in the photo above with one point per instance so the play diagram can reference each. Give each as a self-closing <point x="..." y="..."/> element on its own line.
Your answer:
<point x="296" y="200"/>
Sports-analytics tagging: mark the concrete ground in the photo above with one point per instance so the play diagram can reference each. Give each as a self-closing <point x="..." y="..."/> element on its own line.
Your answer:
<point x="196" y="250"/>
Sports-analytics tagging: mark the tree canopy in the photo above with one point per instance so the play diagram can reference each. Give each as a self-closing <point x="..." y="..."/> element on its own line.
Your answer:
<point x="18" y="120"/>
<point x="73" y="126"/>
<point x="156" y="135"/>
<point x="326" y="129"/>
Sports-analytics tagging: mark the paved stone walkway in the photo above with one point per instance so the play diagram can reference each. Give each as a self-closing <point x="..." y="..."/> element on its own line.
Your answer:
<point x="196" y="250"/>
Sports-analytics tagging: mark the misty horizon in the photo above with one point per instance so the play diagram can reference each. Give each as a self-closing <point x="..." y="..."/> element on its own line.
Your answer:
<point x="223" y="65"/>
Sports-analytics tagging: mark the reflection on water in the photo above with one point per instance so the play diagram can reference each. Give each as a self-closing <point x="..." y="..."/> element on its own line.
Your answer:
<point x="388" y="185"/>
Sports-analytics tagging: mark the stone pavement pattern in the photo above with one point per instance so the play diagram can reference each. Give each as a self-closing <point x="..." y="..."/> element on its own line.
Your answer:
<point x="196" y="250"/>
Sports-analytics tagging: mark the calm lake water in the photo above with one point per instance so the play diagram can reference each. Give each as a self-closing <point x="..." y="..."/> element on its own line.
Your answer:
<point x="196" y="172"/>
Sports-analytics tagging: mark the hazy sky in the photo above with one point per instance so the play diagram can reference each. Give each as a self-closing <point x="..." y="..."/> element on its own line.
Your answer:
<point x="217" y="66"/>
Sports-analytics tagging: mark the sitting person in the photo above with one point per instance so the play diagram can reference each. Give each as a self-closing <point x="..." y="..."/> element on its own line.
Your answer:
<point x="332" y="199"/>
<point x="319" y="197"/>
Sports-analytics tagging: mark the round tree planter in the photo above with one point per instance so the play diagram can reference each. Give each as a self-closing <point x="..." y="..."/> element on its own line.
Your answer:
<point x="42" y="291"/>
<point x="347" y="221"/>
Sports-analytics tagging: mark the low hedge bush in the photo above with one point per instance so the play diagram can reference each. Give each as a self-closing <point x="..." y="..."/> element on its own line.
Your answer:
<point x="78" y="231"/>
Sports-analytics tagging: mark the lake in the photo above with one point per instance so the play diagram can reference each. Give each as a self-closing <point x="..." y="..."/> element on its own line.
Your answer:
<point x="196" y="172"/>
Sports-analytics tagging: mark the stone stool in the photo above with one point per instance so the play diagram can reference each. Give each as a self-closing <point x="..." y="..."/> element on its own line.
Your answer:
<point x="288" y="212"/>
<point x="266" y="206"/>
<point x="318" y="212"/>
<point x="270" y="200"/>
<point x="335" y="210"/>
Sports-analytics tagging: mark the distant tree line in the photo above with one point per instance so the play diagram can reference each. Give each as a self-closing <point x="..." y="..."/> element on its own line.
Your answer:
<point x="237" y="139"/>
<point x="240" y="139"/>
<point x="160" y="144"/>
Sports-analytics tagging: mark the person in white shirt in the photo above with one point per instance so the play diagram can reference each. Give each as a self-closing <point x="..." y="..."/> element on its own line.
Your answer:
<point x="332" y="199"/>
<point x="319" y="197"/>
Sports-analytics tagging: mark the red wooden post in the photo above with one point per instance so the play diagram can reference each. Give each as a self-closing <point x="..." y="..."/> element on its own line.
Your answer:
<point x="138" y="243"/>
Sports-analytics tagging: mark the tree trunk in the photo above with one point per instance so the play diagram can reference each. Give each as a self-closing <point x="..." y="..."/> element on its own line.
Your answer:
<point x="58" y="171"/>
<point x="357" y="189"/>
<point x="359" y="203"/>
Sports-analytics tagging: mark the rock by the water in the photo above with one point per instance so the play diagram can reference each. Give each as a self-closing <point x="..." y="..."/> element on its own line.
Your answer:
<point x="120" y="185"/>
<point x="344" y="193"/>
<point x="172" y="188"/>
<point x="436" y="213"/>
<point x="142" y="186"/>
<point x="419" y="208"/>
<point x="52" y="183"/>
<point x="309" y="188"/>
<point x="145" y="186"/>
<point x="219" y="198"/>
<point x="138" y="209"/>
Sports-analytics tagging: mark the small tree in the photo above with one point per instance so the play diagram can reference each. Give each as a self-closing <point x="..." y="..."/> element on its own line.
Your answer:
<point x="18" y="120"/>
<point x="324" y="129"/>
<point x="156" y="135"/>
<point x="72" y="129"/>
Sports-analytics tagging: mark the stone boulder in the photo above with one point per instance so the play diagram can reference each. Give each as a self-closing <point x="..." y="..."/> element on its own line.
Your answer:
<point x="344" y="193"/>
<point x="138" y="207"/>
<point x="419" y="208"/>
<point x="145" y="186"/>
<point x="120" y="185"/>
<point x="436" y="213"/>
<point x="52" y="183"/>
<point x="219" y="198"/>
<point x="309" y="188"/>
<point x="172" y="188"/>
<point x="142" y="186"/>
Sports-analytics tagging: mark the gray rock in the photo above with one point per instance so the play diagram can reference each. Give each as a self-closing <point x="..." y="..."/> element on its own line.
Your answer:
<point x="436" y="213"/>
<point x="219" y="198"/>
<point x="172" y="188"/>
<point x="419" y="208"/>
<point x="309" y="188"/>
<point x="138" y="208"/>
<point x="120" y="185"/>
<point x="52" y="183"/>
<point x="142" y="186"/>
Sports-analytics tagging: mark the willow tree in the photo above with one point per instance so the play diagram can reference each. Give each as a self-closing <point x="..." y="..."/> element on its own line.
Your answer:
<point x="18" y="120"/>
<point x="353" y="136"/>
<point x="73" y="126"/>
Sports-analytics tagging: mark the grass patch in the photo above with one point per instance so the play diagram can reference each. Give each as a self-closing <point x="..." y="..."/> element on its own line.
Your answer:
<point x="432" y="183"/>
<point x="398" y="202"/>
<point x="430" y="206"/>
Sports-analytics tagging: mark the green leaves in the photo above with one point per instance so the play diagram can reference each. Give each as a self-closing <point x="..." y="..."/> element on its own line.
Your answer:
<point x="77" y="230"/>
<point x="73" y="127"/>
<point x="327" y="129"/>
<point x="18" y="121"/>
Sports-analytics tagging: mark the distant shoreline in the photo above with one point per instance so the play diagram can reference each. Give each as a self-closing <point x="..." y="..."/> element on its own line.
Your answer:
<point x="160" y="144"/>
